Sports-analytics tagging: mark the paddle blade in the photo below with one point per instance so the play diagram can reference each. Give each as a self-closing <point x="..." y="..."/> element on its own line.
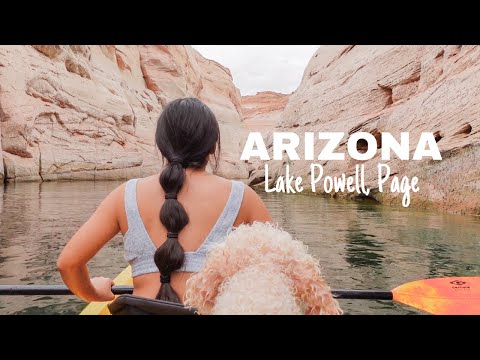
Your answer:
<point x="442" y="296"/>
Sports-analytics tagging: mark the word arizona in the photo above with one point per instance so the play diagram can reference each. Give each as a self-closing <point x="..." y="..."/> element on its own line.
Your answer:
<point x="288" y="142"/>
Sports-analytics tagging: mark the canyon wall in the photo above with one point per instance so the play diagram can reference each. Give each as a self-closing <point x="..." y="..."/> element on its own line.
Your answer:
<point x="89" y="112"/>
<point x="262" y="111"/>
<point x="2" y="170"/>
<point x="394" y="89"/>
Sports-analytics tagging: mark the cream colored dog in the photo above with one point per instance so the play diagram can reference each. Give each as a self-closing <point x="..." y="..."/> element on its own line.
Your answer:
<point x="260" y="269"/>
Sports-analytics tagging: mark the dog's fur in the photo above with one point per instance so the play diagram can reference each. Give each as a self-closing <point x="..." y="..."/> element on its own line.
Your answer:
<point x="260" y="269"/>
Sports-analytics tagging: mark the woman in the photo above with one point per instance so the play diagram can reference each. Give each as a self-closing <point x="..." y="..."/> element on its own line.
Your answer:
<point x="167" y="227"/>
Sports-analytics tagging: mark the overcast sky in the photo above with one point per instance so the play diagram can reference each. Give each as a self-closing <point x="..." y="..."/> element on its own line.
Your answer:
<point x="262" y="67"/>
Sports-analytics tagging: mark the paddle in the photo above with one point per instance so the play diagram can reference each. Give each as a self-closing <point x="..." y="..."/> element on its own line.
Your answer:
<point x="439" y="296"/>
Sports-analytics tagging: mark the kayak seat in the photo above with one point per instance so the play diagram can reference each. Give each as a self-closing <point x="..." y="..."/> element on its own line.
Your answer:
<point x="137" y="305"/>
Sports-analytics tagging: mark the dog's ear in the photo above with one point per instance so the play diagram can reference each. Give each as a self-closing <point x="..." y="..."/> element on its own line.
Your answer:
<point x="202" y="288"/>
<point x="311" y="289"/>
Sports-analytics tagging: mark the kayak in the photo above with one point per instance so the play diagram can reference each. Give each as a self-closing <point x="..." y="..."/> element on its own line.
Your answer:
<point x="101" y="308"/>
<point x="134" y="305"/>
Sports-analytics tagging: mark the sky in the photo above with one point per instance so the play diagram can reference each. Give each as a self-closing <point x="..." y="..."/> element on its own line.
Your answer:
<point x="262" y="67"/>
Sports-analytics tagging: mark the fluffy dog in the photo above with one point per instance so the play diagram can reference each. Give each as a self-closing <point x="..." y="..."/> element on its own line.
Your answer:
<point x="260" y="269"/>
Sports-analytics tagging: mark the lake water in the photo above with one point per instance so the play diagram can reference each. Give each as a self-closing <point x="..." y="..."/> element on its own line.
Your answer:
<point x="360" y="245"/>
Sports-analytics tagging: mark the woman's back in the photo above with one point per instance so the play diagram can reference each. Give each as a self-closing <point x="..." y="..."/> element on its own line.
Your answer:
<point x="205" y="198"/>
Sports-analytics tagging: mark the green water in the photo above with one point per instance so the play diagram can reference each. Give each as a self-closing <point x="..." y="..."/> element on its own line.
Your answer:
<point x="360" y="245"/>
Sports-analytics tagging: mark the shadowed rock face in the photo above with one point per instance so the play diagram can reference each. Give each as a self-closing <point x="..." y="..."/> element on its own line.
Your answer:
<point x="89" y="112"/>
<point x="396" y="89"/>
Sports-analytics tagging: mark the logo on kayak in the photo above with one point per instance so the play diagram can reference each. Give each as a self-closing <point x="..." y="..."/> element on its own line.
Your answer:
<point x="458" y="282"/>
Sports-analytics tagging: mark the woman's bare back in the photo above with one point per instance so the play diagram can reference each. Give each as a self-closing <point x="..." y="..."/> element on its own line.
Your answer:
<point x="204" y="197"/>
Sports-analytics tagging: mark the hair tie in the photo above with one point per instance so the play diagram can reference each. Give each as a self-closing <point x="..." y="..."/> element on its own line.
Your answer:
<point x="170" y="196"/>
<point x="164" y="279"/>
<point x="176" y="160"/>
<point x="172" y="235"/>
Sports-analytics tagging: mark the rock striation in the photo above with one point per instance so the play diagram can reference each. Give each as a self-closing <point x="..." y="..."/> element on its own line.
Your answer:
<point x="395" y="89"/>
<point x="89" y="112"/>
<point x="262" y="111"/>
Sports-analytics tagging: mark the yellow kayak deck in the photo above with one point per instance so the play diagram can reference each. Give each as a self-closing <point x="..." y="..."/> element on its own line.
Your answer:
<point x="101" y="308"/>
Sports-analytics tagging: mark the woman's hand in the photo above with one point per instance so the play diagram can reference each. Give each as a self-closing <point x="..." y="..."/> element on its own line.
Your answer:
<point x="103" y="288"/>
<point x="102" y="226"/>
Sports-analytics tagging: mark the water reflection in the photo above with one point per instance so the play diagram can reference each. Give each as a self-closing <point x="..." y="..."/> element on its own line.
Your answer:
<point x="369" y="246"/>
<point x="36" y="220"/>
<point x="362" y="249"/>
<point x="360" y="245"/>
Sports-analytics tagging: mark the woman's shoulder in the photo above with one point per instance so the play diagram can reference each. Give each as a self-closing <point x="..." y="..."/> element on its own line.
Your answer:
<point x="252" y="207"/>
<point x="147" y="179"/>
<point x="249" y="195"/>
<point x="119" y="192"/>
<point x="220" y="181"/>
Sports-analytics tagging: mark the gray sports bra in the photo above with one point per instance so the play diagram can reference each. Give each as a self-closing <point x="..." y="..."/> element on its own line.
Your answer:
<point x="139" y="248"/>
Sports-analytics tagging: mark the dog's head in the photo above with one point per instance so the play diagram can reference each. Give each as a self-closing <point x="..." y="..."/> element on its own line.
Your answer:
<point x="260" y="261"/>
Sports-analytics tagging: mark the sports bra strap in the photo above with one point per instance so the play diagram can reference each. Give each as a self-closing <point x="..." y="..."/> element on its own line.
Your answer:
<point x="131" y="207"/>
<point x="229" y="214"/>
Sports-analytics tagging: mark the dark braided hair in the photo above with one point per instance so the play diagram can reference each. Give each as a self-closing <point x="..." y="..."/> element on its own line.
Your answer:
<point x="187" y="134"/>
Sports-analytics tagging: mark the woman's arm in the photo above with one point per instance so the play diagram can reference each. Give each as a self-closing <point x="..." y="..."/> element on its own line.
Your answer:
<point x="257" y="211"/>
<point x="102" y="226"/>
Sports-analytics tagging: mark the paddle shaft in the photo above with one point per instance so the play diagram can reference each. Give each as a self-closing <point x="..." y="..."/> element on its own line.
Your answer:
<point x="362" y="294"/>
<point x="52" y="290"/>
<point x="118" y="290"/>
